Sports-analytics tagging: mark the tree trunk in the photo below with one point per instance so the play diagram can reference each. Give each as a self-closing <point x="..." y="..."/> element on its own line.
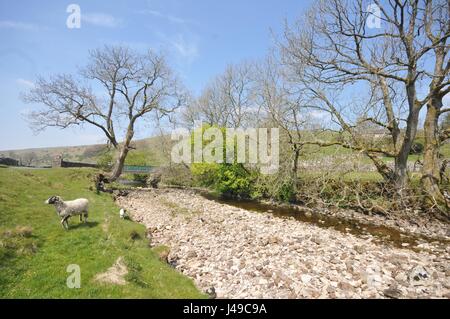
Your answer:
<point x="118" y="166"/>
<point x="384" y="170"/>
<point x="295" y="169"/>
<point x="401" y="177"/>
<point x="431" y="178"/>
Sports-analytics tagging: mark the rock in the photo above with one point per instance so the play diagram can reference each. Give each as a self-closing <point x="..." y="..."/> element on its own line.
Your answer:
<point x="345" y="286"/>
<point x="163" y="255"/>
<point x="349" y="267"/>
<point x="148" y="233"/>
<point x="251" y="255"/>
<point x="305" y="279"/>
<point x="211" y="292"/>
<point x="267" y="273"/>
<point x="154" y="178"/>
<point x="292" y="295"/>
<point x="392" y="292"/>
<point x="273" y="240"/>
<point x="359" y="249"/>
<point x="284" y="278"/>
<point x="401" y="277"/>
<point x="373" y="280"/>
<point x="313" y="293"/>
<point x="417" y="275"/>
<point x="191" y="254"/>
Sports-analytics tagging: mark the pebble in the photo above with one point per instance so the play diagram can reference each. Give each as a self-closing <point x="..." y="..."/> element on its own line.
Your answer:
<point x="235" y="253"/>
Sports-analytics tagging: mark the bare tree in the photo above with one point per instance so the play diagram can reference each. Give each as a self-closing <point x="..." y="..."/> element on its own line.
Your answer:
<point x="282" y="107"/>
<point x="228" y="100"/>
<point x="436" y="22"/>
<point x="342" y="53"/>
<point x="135" y="85"/>
<point x="28" y="158"/>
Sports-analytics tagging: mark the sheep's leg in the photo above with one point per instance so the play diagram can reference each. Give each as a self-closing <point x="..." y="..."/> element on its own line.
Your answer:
<point x="81" y="217"/>
<point x="64" y="223"/>
<point x="85" y="217"/>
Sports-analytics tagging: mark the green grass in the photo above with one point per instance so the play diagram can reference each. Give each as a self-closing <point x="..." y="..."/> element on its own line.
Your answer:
<point x="311" y="176"/>
<point x="311" y="152"/>
<point x="33" y="265"/>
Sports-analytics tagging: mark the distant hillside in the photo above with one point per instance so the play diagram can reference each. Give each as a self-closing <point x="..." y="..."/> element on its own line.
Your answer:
<point x="159" y="147"/>
<point x="86" y="153"/>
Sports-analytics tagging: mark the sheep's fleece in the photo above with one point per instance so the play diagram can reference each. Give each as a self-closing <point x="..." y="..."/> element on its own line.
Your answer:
<point x="69" y="208"/>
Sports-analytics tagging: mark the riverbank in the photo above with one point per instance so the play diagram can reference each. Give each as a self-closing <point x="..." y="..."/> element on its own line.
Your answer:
<point x="245" y="254"/>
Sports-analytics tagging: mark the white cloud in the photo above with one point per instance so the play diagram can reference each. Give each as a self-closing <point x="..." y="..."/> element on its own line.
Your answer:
<point x="187" y="49"/>
<point x="168" y="17"/>
<point x="16" y="25"/>
<point x="183" y="46"/>
<point x="101" y="20"/>
<point x="24" y="82"/>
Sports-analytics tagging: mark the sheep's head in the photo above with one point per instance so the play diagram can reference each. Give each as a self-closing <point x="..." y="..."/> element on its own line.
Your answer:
<point x="53" y="200"/>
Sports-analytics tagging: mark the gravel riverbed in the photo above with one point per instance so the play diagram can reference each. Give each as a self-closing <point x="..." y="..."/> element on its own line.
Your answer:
<point x="244" y="254"/>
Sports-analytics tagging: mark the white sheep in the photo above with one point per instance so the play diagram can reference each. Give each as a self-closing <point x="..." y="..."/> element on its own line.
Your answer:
<point x="67" y="209"/>
<point x="123" y="214"/>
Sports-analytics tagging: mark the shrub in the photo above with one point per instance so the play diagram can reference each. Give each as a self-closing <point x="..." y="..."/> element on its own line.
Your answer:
<point x="176" y="174"/>
<point x="234" y="180"/>
<point x="205" y="174"/>
<point x="105" y="161"/>
<point x="141" y="178"/>
<point x="226" y="178"/>
<point x="286" y="192"/>
<point x="229" y="179"/>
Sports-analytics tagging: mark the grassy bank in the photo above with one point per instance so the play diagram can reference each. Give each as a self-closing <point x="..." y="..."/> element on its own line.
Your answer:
<point x="35" y="250"/>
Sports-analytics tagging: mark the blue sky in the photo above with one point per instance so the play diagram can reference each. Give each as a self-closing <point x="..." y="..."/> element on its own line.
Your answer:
<point x="200" y="38"/>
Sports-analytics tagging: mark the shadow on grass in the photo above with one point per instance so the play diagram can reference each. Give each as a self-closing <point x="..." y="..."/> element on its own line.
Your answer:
<point x="83" y="225"/>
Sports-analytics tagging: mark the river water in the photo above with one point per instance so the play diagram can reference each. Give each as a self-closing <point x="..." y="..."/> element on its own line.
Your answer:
<point x="384" y="234"/>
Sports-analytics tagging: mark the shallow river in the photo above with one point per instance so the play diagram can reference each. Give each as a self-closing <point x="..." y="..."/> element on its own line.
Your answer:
<point x="385" y="234"/>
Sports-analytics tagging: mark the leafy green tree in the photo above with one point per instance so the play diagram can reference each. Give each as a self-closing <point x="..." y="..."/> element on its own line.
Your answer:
<point x="226" y="178"/>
